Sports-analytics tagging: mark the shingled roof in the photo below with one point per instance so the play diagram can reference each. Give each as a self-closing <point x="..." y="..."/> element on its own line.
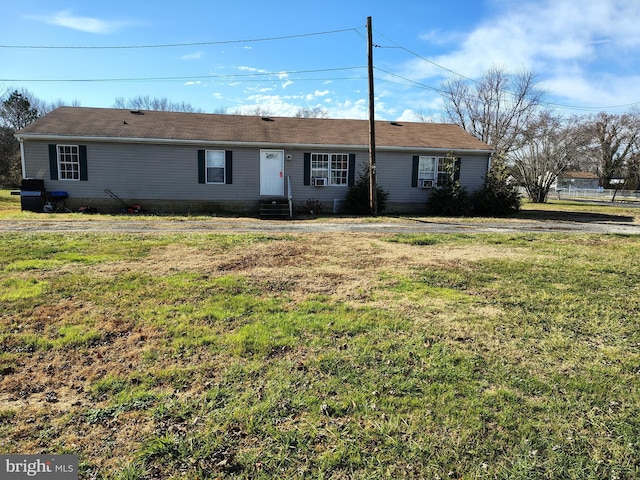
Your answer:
<point x="152" y="126"/>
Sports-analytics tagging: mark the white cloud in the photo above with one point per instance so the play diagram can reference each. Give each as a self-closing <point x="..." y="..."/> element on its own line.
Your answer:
<point x="244" y="68"/>
<point x="410" y="115"/>
<point x="440" y="37"/>
<point x="85" y="24"/>
<point x="192" y="56"/>
<point x="273" y="104"/>
<point x="358" y="109"/>
<point x="583" y="50"/>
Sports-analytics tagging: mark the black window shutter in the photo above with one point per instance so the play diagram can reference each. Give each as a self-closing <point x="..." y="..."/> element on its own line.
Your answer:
<point x="53" y="161"/>
<point x="351" y="181"/>
<point x="82" y="152"/>
<point x="228" y="167"/>
<point x="456" y="169"/>
<point x="201" y="167"/>
<point x="307" y="169"/>
<point x="414" y="171"/>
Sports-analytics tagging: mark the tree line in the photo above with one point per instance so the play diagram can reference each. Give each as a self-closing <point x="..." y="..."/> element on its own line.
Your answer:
<point x="533" y="144"/>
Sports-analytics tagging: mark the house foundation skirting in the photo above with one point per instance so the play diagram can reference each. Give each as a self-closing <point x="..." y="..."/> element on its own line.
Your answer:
<point x="166" y="207"/>
<point x="211" y="207"/>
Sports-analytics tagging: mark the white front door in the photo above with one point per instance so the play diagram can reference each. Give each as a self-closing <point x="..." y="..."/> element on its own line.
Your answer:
<point x="272" y="173"/>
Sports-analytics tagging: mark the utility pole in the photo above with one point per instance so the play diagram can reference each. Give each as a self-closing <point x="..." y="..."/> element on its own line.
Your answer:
<point x="373" y="200"/>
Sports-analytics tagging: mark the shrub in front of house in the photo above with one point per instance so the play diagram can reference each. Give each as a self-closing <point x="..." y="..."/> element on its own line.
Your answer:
<point x="314" y="207"/>
<point x="356" y="201"/>
<point x="497" y="197"/>
<point x="450" y="199"/>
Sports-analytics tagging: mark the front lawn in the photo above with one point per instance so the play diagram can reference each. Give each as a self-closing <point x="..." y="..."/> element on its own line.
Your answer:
<point x="323" y="355"/>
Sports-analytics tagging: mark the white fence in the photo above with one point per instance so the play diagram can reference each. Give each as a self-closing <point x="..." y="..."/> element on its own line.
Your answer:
<point x="597" y="194"/>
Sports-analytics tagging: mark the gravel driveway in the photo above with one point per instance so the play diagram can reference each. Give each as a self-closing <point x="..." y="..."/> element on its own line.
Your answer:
<point x="338" y="225"/>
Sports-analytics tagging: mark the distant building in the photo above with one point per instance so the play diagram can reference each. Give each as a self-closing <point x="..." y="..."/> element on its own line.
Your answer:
<point x="573" y="180"/>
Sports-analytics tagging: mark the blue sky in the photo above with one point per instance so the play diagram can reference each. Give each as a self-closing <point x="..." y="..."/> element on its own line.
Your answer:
<point x="283" y="55"/>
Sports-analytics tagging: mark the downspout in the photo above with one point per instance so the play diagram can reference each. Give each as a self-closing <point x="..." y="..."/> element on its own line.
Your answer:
<point x="22" y="161"/>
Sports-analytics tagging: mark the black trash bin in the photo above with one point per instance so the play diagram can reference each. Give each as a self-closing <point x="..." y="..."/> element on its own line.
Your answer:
<point x="32" y="195"/>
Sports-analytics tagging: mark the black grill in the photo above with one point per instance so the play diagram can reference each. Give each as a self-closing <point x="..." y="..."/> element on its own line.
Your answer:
<point x="32" y="195"/>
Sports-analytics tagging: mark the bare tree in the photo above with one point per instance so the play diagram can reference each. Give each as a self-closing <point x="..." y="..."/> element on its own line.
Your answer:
<point x="496" y="109"/>
<point x="315" y="112"/>
<point x="633" y="172"/>
<point x="547" y="146"/>
<point x="160" y="104"/>
<point x="614" y="143"/>
<point x="422" y="116"/>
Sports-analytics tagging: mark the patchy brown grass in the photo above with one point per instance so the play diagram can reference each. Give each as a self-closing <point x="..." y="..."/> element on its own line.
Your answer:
<point x="51" y="398"/>
<point x="346" y="267"/>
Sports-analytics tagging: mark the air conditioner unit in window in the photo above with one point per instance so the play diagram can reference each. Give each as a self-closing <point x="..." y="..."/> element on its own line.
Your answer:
<point x="320" y="181"/>
<point x="425" y="183"/>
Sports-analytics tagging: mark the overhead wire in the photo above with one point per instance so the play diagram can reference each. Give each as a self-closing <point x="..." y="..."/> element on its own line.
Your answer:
<point x="457" y="74"/>
<point x="417" y="84"/>
<point x="194" y="77"/>
<point x="245" y="77"/>
<point x="171" y="45"/>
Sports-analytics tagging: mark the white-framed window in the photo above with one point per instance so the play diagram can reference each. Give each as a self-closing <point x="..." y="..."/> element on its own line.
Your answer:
<point x="68" y="162"/>
<point x="215" y="165"/>
<point x="339" y="169"/>
<point x="436" y="169"/>
<point x="332" y="166"/>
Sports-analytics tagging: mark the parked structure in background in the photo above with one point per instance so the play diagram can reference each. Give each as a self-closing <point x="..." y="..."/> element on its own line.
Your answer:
<point x="572" y="180"/>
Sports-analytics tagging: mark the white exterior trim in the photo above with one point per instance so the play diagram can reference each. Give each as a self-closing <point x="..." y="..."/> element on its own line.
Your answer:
<point x="22" y="160"/>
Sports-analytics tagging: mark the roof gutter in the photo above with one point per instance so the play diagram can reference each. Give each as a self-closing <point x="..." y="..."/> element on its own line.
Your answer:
<point x="167" y="141"/>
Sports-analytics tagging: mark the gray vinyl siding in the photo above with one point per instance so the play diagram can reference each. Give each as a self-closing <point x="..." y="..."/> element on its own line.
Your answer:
<point x="162" y="173"/>
<point x="473" y="171"/>
<point x="395" y="172"/>
<point x="154" y="172"/>
<point x="393" y="175"/>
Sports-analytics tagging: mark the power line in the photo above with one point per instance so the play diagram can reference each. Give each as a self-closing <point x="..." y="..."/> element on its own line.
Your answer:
<point x="576" y="107"/>
<point x="170" y="45"/>
<point x="195" y="77"/>
<point x="400" y="47"/>
<point x="417" y="84"/>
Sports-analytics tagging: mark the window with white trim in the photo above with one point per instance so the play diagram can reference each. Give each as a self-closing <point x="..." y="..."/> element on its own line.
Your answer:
<point x="437" y="169"/>
<point x="68" y="162"/>
<point x="334" y="167"/>
<point x="339" y="169"/>
<point x="215" y="165"/>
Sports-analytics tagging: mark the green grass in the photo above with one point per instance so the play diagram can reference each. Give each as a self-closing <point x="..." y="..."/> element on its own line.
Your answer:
<point x="373" y="356"/>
